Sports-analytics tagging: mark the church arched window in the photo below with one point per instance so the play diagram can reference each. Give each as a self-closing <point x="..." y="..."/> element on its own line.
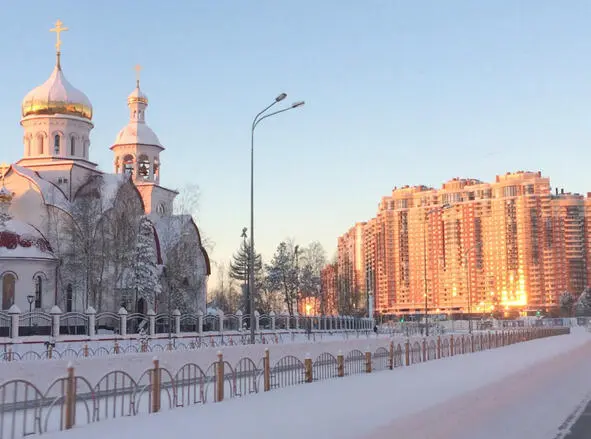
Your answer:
<point x="144" y="166"/>
<point x="39" y="144"/>
<point x="72" y="146"/>
<point x="8" y="286"/>
<point x="38" y="291"/>
<point x="161" y="209"/>
<point x="69" y="298"/>
<point x="128" y="164"/>
<point x="56" y="144"/>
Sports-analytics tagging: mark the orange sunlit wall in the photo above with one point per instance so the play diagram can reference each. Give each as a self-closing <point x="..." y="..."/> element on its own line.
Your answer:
<point x="472" y="246"/>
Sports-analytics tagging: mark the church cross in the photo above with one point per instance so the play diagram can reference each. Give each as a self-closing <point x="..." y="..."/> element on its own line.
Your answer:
<point x="138" y="70"/>
<point x="58" y="29"/>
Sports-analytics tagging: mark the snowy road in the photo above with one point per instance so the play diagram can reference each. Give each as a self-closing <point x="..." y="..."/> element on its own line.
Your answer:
<point x="525" y="390"/>
<point x="529" y="404"/>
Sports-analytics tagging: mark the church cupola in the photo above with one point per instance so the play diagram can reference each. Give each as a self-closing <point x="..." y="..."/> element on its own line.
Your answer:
<point x="137" y="148"/>
<point x="56" y="116"/>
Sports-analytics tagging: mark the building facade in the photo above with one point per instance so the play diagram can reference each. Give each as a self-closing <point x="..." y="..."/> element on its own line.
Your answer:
<point x="474" y="247"/>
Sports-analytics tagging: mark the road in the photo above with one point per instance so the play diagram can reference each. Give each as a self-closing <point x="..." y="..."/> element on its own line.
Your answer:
<point x="542" y="402"/>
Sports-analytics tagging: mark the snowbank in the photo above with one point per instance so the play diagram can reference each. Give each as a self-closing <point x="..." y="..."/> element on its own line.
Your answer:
<point x="355" y="406"/>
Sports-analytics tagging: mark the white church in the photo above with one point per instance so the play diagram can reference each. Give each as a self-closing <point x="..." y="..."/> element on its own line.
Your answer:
<point x="70" y="233"/>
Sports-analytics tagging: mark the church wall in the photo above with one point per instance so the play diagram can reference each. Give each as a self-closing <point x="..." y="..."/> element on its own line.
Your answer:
<point x="26" y="270"/>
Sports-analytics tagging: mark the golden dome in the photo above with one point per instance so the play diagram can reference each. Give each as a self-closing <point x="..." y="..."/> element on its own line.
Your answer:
<point x="57" y="96"/>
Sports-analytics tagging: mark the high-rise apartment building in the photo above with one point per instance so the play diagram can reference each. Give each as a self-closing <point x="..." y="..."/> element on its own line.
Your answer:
<point x="470" y="246"/>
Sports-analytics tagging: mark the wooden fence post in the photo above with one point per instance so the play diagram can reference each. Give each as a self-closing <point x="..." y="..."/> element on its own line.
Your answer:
<point x="391" y="356"/>
<point x="267" y="371"/>
<point x="155" y="386"/>
<point x="70" y="398"/>
<point x="407" y="352"/>
<point x="116" y="348"/>
<point x="438" y="347"/>
<point x="219" y="377"/>
<point x="340" y="364"/>
<point x="368" y="361"/>
<point x="86" y="349"/>
<point x="308" y="368"/>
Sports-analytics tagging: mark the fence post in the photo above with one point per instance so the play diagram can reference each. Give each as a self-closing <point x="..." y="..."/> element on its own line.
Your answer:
<point x="151" y="322"/>
<point x="9" y="354"/>
<point x="155" y="386"/>
<point x="70" y="398"/>
<point x="50" y="351"/>
<point x="272" y="315"/>
<point x="221" y="320"/>
<point x="85" y="349"/>
<point x="424" y="349"/>
<point x="438" y="347"/>
<point x="451" y="345"/>
<point x="297" y="320"/>
<point x="55" y="320"/>
<point x="14" y="312"/>
<point x="267" y="371"/>
<point x="91" y="313"/>
<point x="219" y="377"/>
<point x="122" y="321"/>
<point x="200" y="322"/>
<point x="340" y="364"/>
<point x="407" y="352"/>
<point x="257" y="321"/>
<point x="472" y="343"/>
<point x="116" y="347"/>
<point x="177" y="321"/>
<point x="368" y="361"/>
<point x="308" y="368"/>
<point x="391" y="356"/>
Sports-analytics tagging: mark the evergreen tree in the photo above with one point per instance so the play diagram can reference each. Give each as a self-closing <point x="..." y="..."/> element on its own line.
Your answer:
<point x="239" y="272"/>
<point x="567" y="301"/>
<point x="146" y="272"/>
<point x="583" y="304"/>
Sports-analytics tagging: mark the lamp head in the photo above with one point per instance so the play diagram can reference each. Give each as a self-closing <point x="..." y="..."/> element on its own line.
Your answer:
<point x="297" y="104"/>
<point x="280" y="97"/>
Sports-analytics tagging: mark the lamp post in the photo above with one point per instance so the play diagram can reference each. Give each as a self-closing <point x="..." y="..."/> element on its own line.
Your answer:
<point x="245" y="288"/>
<point x="30" y="299"/>
<point x="257" y="119"/>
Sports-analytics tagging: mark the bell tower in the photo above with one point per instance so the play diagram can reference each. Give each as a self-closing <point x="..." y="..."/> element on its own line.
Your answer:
<point x="137" y="153"/>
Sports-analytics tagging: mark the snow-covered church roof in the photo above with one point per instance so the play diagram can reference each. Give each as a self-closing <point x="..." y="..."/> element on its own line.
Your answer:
<point x="17" y="238"/>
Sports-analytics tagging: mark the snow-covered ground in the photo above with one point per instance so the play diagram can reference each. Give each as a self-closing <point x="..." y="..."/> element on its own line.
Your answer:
<point x="526" y="390"/>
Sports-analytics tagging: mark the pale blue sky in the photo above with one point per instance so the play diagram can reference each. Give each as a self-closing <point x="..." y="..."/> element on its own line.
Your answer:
<point x="397" y="92"/>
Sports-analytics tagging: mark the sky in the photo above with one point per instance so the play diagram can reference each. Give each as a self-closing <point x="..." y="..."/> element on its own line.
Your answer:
<point x="397" y="93"/>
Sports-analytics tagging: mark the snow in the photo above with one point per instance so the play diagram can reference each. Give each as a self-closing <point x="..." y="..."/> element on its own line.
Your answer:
<point x="525" y="390"/>
<point x="110" y="184"/>
<point x="52" y="195"/>
<point x="42" y="372"/>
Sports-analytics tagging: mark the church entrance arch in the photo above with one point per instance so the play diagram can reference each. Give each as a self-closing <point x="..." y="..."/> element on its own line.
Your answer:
<point x="8" y="286"/>
<point x="141" y="306"/>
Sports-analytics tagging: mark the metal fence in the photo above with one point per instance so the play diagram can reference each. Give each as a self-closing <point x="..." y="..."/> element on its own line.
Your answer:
<point x="25" y="409"/>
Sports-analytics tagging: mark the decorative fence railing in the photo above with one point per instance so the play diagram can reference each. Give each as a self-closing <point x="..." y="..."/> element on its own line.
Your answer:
<point x="73" y="400"/>
<point x="14" y="323"/>
<point x="114" y="346"/>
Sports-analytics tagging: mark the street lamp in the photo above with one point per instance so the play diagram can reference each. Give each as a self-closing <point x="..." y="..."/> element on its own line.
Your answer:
<point x="245" y="288"/>
<point x="30" y="299"/>
<point x="257" y="119"/>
